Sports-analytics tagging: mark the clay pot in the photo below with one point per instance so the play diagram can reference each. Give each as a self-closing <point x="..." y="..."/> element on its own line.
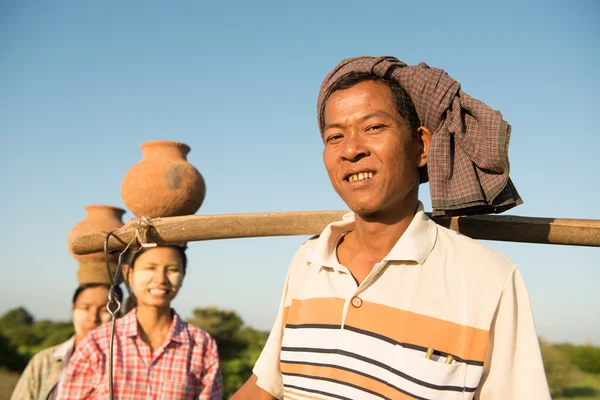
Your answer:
<point x="163" y="184"/>
<point x="98" y="219"/>
<point x="96" y="272"/>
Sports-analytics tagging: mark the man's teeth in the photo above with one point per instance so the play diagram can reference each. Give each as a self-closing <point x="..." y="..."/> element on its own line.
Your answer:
<point x="158" y="291"/>
<point x="360" y="176"/>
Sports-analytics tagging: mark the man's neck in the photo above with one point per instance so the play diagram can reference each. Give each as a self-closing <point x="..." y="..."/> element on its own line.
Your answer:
<point x="376" y="236"/>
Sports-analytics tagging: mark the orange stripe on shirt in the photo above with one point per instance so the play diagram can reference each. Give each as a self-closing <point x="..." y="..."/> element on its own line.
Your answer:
<point x="326" y="310"/>
<point x="461" y="341"/>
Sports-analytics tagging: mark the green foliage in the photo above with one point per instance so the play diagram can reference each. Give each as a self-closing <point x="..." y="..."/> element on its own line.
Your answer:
<point x="559" y="371"/>
<point x="239" y="345"/>
<point x="25" y="337"/>
<point x="16" y="317"/>
<point x="10" y="358"/>
<point x="586" y="358"/>
<point x="60" y="334"/>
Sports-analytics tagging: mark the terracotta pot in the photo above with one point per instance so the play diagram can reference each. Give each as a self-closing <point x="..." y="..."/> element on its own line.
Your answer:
<point x="98" y="218"/>
<point x="96" y="272"/>
<point x="163" y="184"/>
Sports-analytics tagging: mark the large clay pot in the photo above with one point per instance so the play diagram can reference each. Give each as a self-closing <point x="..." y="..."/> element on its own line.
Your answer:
<point x="92" y="267"/>
<point x="98" y="219"/>
<point x="163" y="184"/>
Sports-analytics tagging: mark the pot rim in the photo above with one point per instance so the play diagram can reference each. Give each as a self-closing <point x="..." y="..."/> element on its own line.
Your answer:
<point x="165" y="143"/>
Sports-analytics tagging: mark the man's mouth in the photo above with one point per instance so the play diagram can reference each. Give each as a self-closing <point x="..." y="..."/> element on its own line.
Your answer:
<point x="359" y="176"/>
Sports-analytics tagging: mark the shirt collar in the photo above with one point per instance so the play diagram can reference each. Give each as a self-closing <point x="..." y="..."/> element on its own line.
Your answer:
<point x="177" y="331"/>
<point x="415" y="244"/>
<point x="64" y="351"/>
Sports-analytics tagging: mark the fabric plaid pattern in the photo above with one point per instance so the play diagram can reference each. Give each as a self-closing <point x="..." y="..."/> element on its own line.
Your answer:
<point x="186" y="366"/>
<point x="468" y="166"/>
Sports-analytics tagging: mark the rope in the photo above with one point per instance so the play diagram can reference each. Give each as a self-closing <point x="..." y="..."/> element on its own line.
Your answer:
<point x="143" y="224"/>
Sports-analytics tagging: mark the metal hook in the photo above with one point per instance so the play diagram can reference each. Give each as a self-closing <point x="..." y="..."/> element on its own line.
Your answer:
<point x="141" y="241"/>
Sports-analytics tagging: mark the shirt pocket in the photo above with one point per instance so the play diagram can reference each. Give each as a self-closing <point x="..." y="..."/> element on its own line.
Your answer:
<point x="176" y="389"/>
<point x="428" y="378"/>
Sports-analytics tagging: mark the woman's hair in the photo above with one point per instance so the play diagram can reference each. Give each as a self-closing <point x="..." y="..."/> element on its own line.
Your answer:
<point x="85" y="286"/>
<point x="181" y="250"/>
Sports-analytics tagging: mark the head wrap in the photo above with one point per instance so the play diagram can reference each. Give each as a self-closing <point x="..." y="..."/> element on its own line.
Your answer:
<point x="467" y="166"/>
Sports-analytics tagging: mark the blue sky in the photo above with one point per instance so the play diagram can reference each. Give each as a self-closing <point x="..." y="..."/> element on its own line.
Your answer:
<point x="83" y="84"/>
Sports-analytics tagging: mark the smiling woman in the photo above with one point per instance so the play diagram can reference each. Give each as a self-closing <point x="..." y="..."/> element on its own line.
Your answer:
<point x="144" y="272"/>
<point x="156" y="353"/>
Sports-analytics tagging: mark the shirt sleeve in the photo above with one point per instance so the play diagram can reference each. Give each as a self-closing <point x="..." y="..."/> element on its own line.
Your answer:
<point x="212" y="377"/>
<point x="267" y="368"/>
<point x="27" y="387"/>
<point x="513" y="367"/>
<point x="82" y="374"/>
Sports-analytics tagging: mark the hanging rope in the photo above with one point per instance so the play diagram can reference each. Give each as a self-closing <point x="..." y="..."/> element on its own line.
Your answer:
<point x="114" y="305"/>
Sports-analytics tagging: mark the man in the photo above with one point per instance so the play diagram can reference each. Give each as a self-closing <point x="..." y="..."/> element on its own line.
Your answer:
<point x="385" y="303"/>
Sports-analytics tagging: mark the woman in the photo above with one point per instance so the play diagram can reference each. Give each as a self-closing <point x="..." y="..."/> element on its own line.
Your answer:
<point x="42" y="375"/>
<point x="156" y="354"/>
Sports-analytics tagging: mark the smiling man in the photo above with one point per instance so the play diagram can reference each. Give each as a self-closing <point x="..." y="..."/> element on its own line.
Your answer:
<point x="385" y="303"/>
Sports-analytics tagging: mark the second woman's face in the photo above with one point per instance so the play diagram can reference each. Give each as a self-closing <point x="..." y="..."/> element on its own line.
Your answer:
<point x="156" y="276"/>
<point x="89" y="310"/>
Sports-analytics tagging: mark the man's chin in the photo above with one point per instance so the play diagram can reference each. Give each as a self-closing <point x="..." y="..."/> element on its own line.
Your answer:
<point x="364" y="210"/>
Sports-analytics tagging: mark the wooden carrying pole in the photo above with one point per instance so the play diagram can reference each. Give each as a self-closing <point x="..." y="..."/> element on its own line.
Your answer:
<point x="577" y="232"/>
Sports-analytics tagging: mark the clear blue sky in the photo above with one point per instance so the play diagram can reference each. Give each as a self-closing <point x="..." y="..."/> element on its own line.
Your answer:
<point x="83" y="84"/>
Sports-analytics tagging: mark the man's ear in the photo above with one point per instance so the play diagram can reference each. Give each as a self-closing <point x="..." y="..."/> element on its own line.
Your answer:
<point x="423" y="138"/>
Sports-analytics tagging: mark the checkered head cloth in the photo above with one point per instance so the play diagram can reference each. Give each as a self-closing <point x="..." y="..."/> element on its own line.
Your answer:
<point x="467" y="166"/>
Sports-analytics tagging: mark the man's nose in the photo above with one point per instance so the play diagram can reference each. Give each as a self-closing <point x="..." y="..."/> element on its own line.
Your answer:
<point x="354" y="148"/>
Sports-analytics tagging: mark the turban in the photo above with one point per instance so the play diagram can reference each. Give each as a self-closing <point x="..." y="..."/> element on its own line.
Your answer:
<point x="467" y="165"/>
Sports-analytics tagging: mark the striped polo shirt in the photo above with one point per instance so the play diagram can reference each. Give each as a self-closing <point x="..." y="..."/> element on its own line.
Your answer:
<point x="436" y="289"/>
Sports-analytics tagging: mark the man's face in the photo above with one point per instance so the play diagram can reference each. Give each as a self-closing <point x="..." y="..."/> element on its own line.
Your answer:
<point x="369" y="154"/>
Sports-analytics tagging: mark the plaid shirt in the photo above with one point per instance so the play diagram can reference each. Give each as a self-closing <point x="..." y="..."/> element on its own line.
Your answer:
<point x="186" y="366"/>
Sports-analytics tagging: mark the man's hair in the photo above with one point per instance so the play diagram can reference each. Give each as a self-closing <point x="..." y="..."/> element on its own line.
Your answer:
<point x="85" y="286"/>
<point x="404" y="104"/>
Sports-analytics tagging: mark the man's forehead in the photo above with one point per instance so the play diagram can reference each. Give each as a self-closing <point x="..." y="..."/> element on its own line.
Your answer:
<point x="362" y="91"/>
<point x="366" y="98"/>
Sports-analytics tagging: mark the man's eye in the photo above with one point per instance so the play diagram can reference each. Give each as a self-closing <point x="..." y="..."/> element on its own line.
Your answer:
<point x="333" y="138"/>
<point x="374" y="127"/>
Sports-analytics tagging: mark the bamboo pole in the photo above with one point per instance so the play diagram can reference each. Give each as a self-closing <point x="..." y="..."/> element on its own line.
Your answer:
<point x="191" y="228"/>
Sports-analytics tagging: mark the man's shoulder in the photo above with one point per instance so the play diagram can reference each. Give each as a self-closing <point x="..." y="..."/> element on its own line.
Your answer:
<point x="305" y="251"/>
<point x="469" y="253"/>
<point x="309" y="244"/>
